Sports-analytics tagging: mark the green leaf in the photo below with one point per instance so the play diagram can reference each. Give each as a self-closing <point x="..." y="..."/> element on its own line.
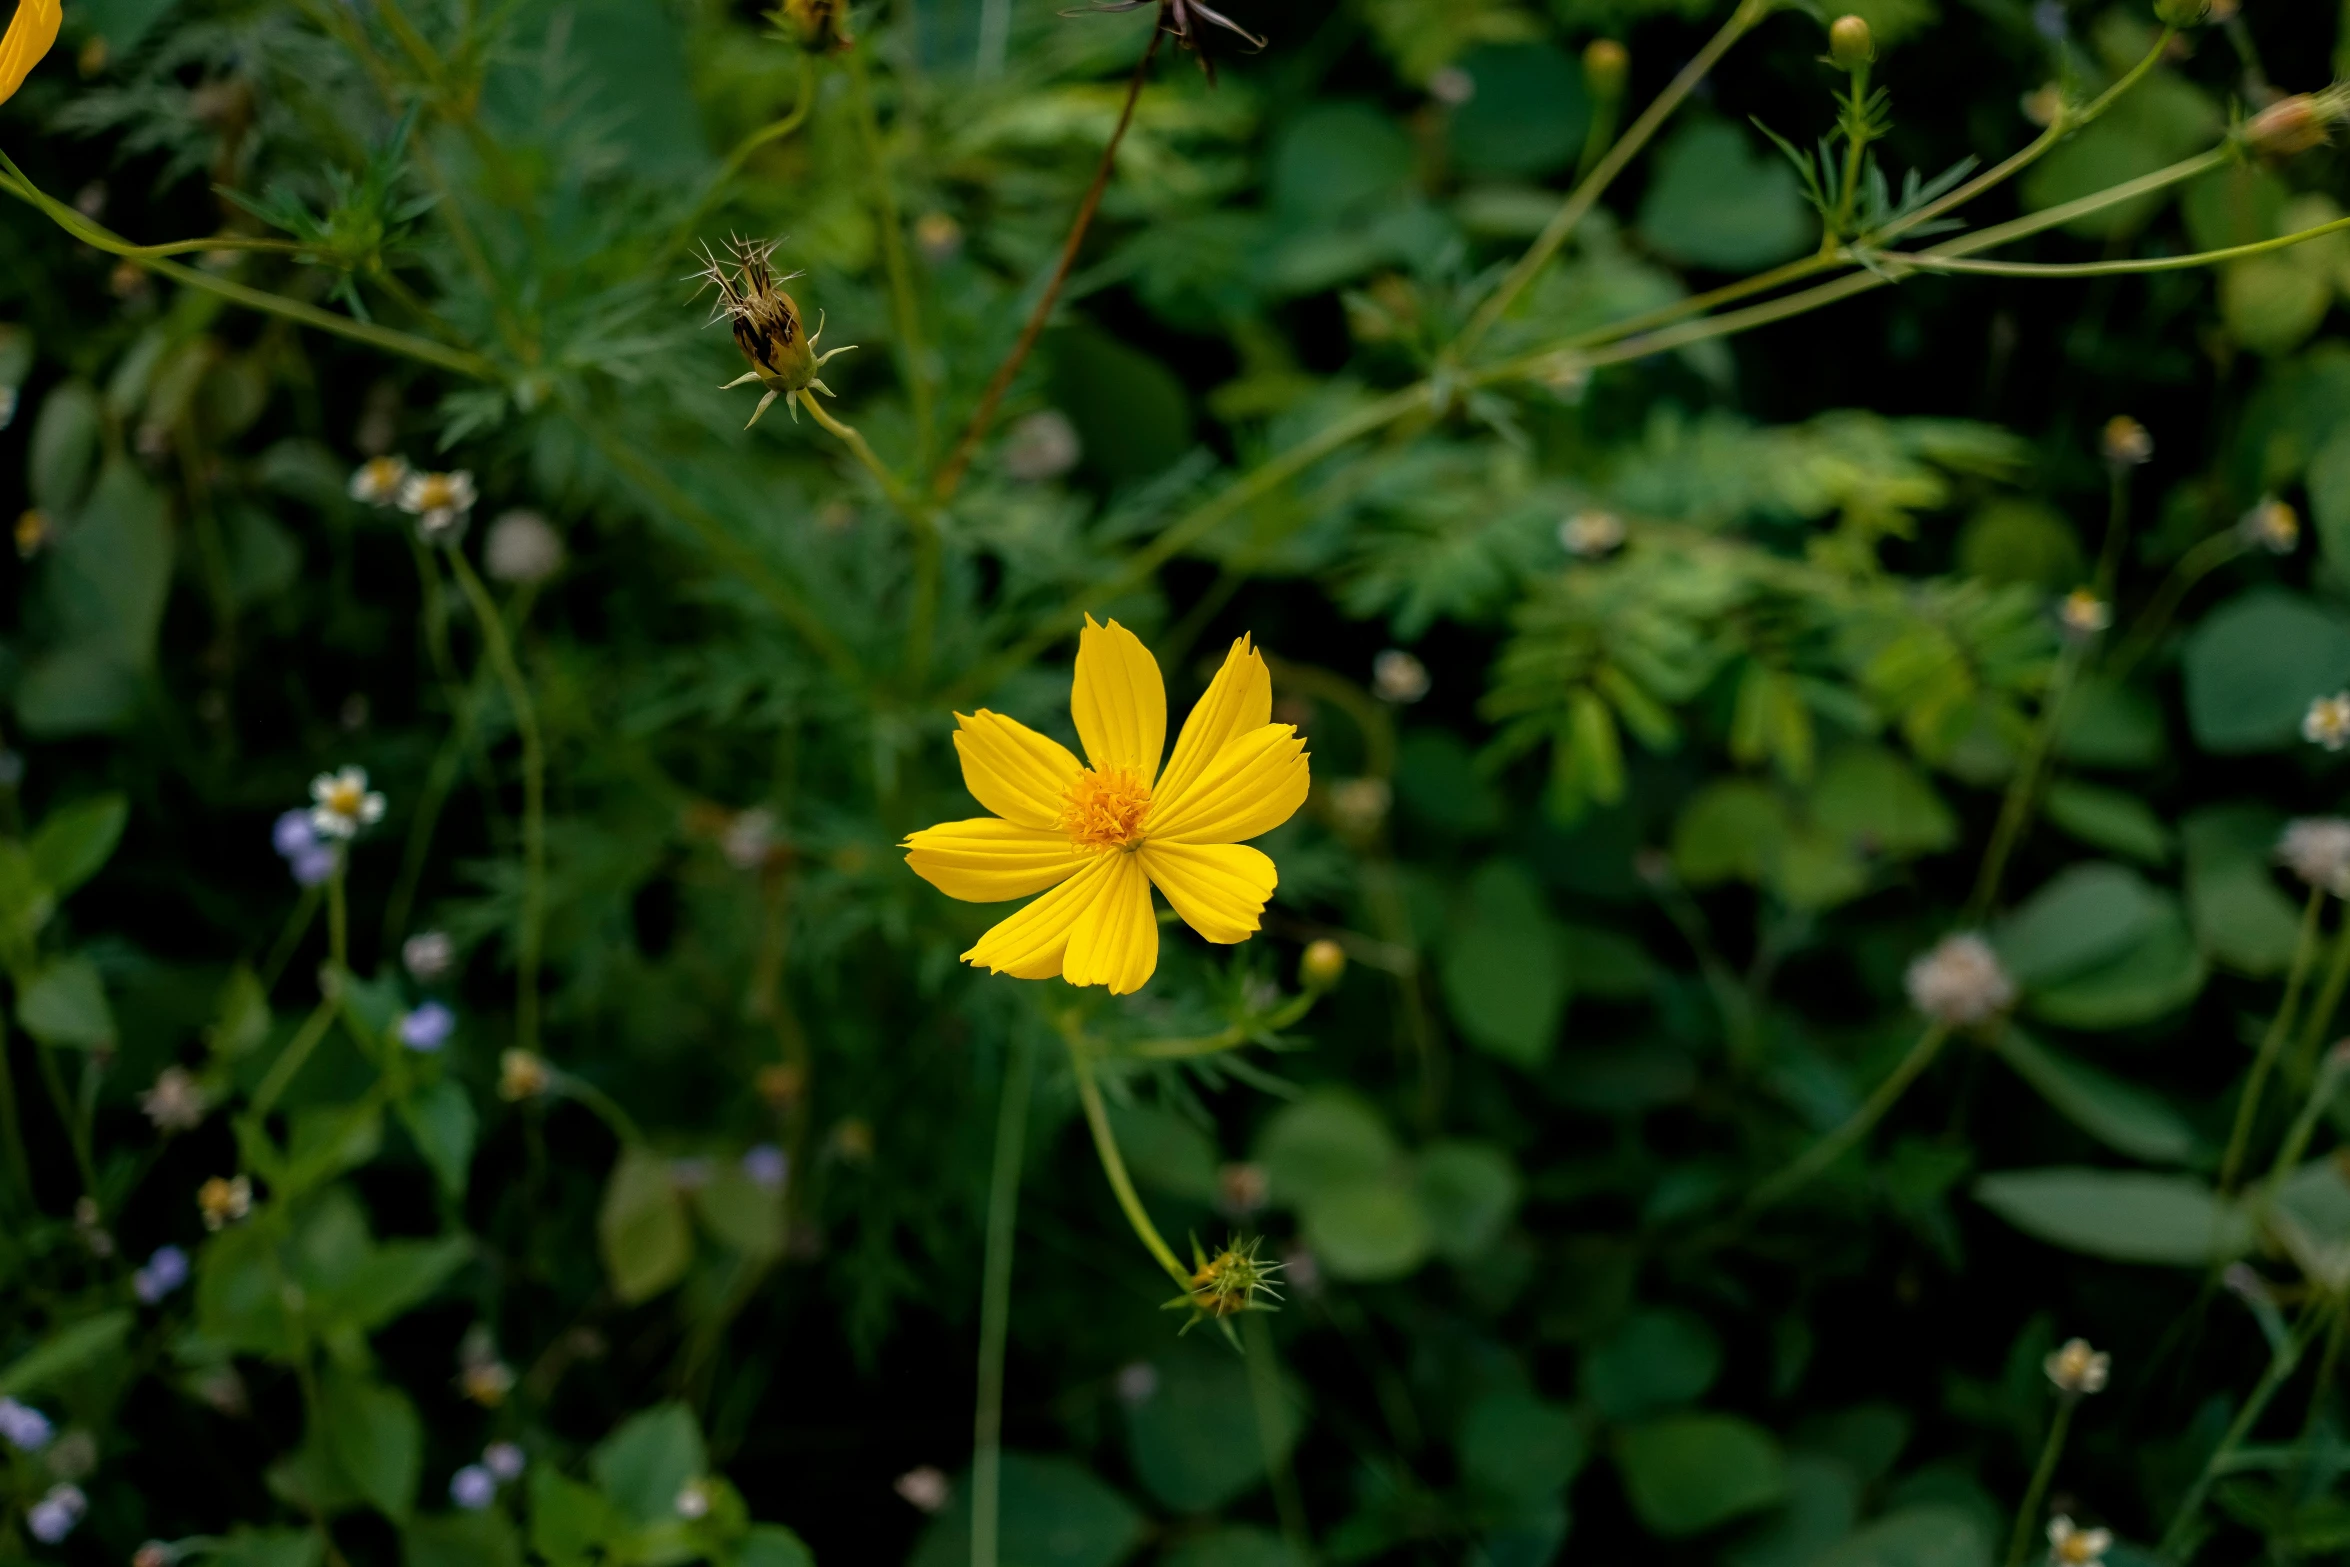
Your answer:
<point x="2312" y="1220"/>
<point x="25" y="900"/>
<point x="2254" y="665"/>
<point x="2240" y="917"/>
<point x="1516" y="1446"/>
<point x="2085" y="916"/>
<point x="1232" y="1545"/>
<point x="483" y="1539"/>
<point x="241" y="1023"/>
<point x="65" y="1354"/>
<point x="1165" y="1151"/>
<point x="2158" y="122"/>
<point x="64" y="448"/>
<point x="1719" y="200"/>
<point x="2109" y="819"/>
<point x="1930" y="1534"/>
<point x="376" y="1438"/>
<point x="2016" y="539"/>
<point x="102" y="589"/>
<point x="1686" y="1474"/>
<point x="772" y="1545"/>
<point x="327" y="1140"/>
<point x="1871" y="800"/>
<point x="2118" y="1114"/>
<point x="645" y="1464"/>
<point x="2329" y="499"/>
<point x="570" y="1523"/>
<point x="1733" y="829"/>
<point x="741" y="1213"/>
<point x="67" y="1006"/>
<point x="2106" y="725"/>
<point x="1823" y="1500"/>
<point x="2160" y="973"/>
<point x="1370" y="1231"/>
<point x="1657" y="1361"/>
<point x="272" y="1548"/>
<point x="75" y="841"/>
<point x="2272" y="303"/>
<point x="2121" y="1215"/>
<point x="386" y="1281"/>
<point x="1054" y="1514"/>
<point x="1527" y="115"/>
<point x="642" y="1229"/>
<point x="1469" y="1191"/>
<point x="1193" y="1437"/>
<point x="1327" y="1141"/>
<point x="1503" y="967"/>
<point x="1133" y="416"/>
<point x="441" y="1118"/>
<point x="239" y="1304"/>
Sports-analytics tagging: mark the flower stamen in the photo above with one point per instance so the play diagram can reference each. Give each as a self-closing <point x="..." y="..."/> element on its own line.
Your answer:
<point x="1105" y="810"/>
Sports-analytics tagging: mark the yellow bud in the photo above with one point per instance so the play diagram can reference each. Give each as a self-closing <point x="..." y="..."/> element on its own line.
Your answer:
<point x="818" y="26"/>
<point x="1323" y="964"/>
<point x="1605" y="65"/>
<point x="2287" y="127"/>
<point x="1849" y="43"/>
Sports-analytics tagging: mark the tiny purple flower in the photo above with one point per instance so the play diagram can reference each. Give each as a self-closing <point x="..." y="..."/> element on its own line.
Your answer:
<point x="504" y="1460"/>
<point x="313" y="865"/>
<point x="293" y="834"/>
<point x="23" y="1427"/>
<point x="473" y="1488"/>
<point x="166" y="1271"/>
<point x="428" y="1027"/>
<point x="767" y="1166"/>
<point x="52" y="1518"/>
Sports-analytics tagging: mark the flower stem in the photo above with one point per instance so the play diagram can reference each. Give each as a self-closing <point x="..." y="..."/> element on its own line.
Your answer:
<point x="1264" y="1388"/>
<point x="2201" y="258"/>
<point x="1820" y="1155"/>
<point x="20" y="1167"/>
<point x="534" y="803"/>
<point x="2280" y="1367"/>
<point x="2240" y="1137"/>
<point x="2027" y="1517"/>
<point x="906" y="314"/>
<point x="600" y="1104"/>
<point x="2321" y="1015"/>
<point x="2023" y="791"/>
<point x="741" y="155"/>
<point x="291" y="1060"/>
<point x="1105" y="1144"/>
<point x="2192" y="568"/>
<point x="995" y="1299"/>
<point x="950" y="476"/>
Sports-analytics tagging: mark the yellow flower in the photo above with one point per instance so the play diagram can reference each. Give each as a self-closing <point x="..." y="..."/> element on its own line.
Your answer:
<point x="28" y="38"/>
<point x="1101" y="833"/>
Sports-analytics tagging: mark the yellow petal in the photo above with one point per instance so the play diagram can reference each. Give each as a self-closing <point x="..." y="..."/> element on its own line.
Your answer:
<point x="1251" y="786"/>
<point x="988" y="861"/>
<point x="1238" y="700"/>
<point x="1115" y="942"/>
<point x="1031" y="943"/>
<point x="1119" y="701"/>
<point x="1219" y="888"/>
<point x="30" y="35"/>
<point x="1012" y="770"/>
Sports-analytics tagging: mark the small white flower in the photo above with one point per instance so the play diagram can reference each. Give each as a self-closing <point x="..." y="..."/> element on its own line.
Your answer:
<point x="2327" y="722"/>
<point x="505" y="1460"/>
<point x="176" y="1102"/>
<point x="52" y="1518"/>
<point x="2317" y="849"/>
<point x="1452" y="86"/>
<point x="2076" y="1368"/>
<point x="2084" y="614"/>
<point x="224" y="1202"/>
<point x="440" y="503"/>
<point x="1138" y="1382"/>
<point x="378" y="480"/>
<point x="1960" y="982"/>
<point x="694" y="1501"/>
<point x="522" y="547"/>
<point x="428" y="956"/>
<point x="342" y="803"/>
<point x="2072" y="1546"/>
<point x="1043" y="445"/>
<point x="1588" y="535"/>
<point x="2125" y="442"/>
<point x="2272" y="525"/>
<point x="926" y="1487"/>
<point x="748" y="839"/>
<point x="1398" y="677"/>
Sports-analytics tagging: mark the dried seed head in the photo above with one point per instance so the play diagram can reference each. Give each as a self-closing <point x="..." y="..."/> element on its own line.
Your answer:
<point x="2290" y="126"/>
<point x="818" y="26"/>
<point x="766" y="322"/>
<point x="1961" y="982"/>
<point x="1850" y="43"/>
<point x="1235" y="1280"/>
<point x="2317" y="849"/>
<point x="522" y="1074"/>
<point x="2076" y="1368"/>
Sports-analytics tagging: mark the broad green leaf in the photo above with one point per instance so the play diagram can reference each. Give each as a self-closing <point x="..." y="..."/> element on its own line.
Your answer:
<point x="1686" y="1474"/>
<point x="1659" y="1360"/>
<point x="2016" y="539"/>
<point x="1055" y="1513"/>
<point x="2118" y="1114"/>
<point x="1336" y="159"/>
<point x="772" y="1545"/>
<point x="1871" y="800"/>
<point x="102" y="588"/>
<point x="2161" y="972"/>
<point x="2106" y="725"/>
<point x="642" y="1229"/>
<point x="1193" y="1436"/>
<point x="272" y="1548"/>
<point x="73" y="842"/>
<point x="2121" y="1215"/>
<point x="1527" y="114"/>
<point x="241" y="1023"/>
<point x="2084" y="917"/>
<point x="1822" y="1503"/>
<point x="2111" y="819"/>
<point x="1327" y="1141"/>
<point x="1503" y="966"/>
<point x="645" y="1464"/>
<point x="327" y="1140"/>
<point x="1133" y="416"/>
<point x="240" y="1301"/>
<point x="1721" y="199"/>
<point x="1469" y="1191"/>
<point x="2312" y="1220"/>
<point x="1232" y="1545"/>
<point x="2254" y="665"/>
<point x="441" y="1119"/>
<point x="65" y="1354"/>
<point x="483" y="1539"/>
<point x="1734" y="829"/>
<point x="2240" y="917"/>
<point x="1372" y="1230"/>
<point x="2329" y="498"/>
<point x="1929" y="1534"/>
<point x="1165" y="1151"/>
<point x="67" y="1006"/>
<point x="741" y="1213"/>
<point x="26" y="901"/>
<point x="1516" y="1446"/>
<point x="2160" y="121"/>
<point x="376" y="1438"/>
<point x="570" y="1523"/>
<point x="390" y="1279"/>
<point x="2272" y="303"/>
<point x="64" y="448"/>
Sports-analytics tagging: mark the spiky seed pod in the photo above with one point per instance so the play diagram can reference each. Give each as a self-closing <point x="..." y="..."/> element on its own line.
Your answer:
<point x="818" y="26"/>
<point x="766" y="323"/>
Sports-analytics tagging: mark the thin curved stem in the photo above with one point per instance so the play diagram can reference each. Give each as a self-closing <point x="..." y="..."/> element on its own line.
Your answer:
<point x="913" y="355"/>
<point x="534" y="799"/>
<point x="291" y="1060"/>
<point x="2027" y="1516"/>
<point x="2023" y="791"/>
<point x="2321" y="1013"/>
<point x="683" y="235"/>
<point x="2280" y="1368"/>
<point x="1820" y="1155"/>
<point x="2273" y="1039"/>
<point x="602" y="1105"/>
<point x="1105" y="1144"/>
<point x="2201" y="258"/>
<point x="2154" y="620"/>
<point x="995" y="1299"/>
<point x="950" y="476"/>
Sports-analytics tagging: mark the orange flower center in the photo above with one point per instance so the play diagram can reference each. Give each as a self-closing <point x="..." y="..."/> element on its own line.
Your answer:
<point x="1104" y="810"/>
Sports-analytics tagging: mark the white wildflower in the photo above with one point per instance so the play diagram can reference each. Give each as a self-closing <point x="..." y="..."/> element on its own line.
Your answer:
<point x="2069" y="1545"/>
<point x="379" y="480"/>
<point x="341" y="803"/>
<point x="2076" y="1368"/>
<point x="1591" y="534"/>
<point x="440" y="503"/>
<point x="522" y="547"/>
<point x="2327" y="722"/>
<point x="1398" y="677"/>
<point x="2317" y="849"/>
<point x="1960" y="982"/>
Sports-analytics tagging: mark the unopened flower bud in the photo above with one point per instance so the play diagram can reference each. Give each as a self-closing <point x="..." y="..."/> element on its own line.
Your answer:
<point x="2182" y="13"/>
<point x="1605" y="66"/>
<point x="1960" y="982"/>
<point x="1323" y="965"/>
<point x="2125" y="442"/>
<point x="2288" y="127"/>
<point x="522" y="1074"/>
<point x="1850" y="44"/>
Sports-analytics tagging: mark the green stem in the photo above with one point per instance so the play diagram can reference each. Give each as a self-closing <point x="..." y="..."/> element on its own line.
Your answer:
<point x="2027" y="1516"/>
<point x="20" y="1166"/>
<point x="534" y="799"/>
<point x="2321" y="1015"/>
<point x="338" y="917"/>
<point x="2023" y="791"/>
<point x="995" y="1299"/>
<point x="2296" y="1144"/>
<point x="2200" y="258"/>
<point x="291" y="1060"/>
<point x="1820" y="1155"/>
<point x="77" y="1128"/>
<point x="2193" y="567"/>
<point x="602" y="1105"/>
<point x="296" y="927"/>
<point x="912" y="355"/>
<point x="2280" y="1367"/>
<point x="1266" y="1397"/>
<point x="735" y="160"/>
<point x="2240" y="1137"/>
<point x="1586" y="195"/>
<point x="1105" y="1144"/>
<point x="1855" y="147"/>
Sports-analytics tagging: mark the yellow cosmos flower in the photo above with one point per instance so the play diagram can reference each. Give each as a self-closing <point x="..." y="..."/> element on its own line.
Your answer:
<point x="30" y="35"/>
<point x="1096" y="836"/>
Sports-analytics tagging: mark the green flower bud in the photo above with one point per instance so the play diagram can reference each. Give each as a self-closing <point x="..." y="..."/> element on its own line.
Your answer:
<point x="1605" y="65"/>
<point x="1324" y="962"/>
<point x="2182" y="13"/>
<point x="1849" y="43"/>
